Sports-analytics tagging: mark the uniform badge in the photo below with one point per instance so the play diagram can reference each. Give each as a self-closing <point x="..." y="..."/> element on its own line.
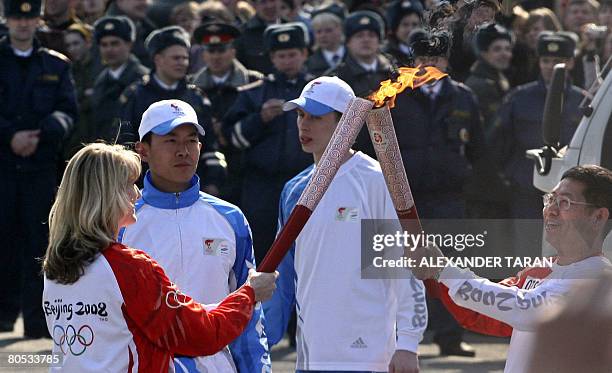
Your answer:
<point x="25" y="7"/>
<point x="214" y="39"/>
<point x="50" y="78"/>
<point x="553" y="47"/>
<point x="283" y="38"/>
<point x="109" y="26"/>
<point x="364" y="21"/>
<point x="213" y="28"/>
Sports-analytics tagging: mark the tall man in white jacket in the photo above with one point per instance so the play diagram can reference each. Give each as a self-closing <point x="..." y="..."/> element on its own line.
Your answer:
<point x="344" y="322"/>
<point x="576" y="222"/>
<point x="203" y="243"/>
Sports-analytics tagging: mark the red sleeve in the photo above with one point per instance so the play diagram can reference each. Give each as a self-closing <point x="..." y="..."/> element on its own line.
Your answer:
<point x="475" y="321"/>
<point x="172" y="320"/>
<point x="470" y="320"/>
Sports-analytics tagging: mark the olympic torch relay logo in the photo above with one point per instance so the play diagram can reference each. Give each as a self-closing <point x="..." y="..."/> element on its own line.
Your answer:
<point x="73" y="341"/>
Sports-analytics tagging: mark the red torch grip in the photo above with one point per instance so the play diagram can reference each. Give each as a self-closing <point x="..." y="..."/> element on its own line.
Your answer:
<point x="298" y="218"/>
<point x="410" y="221"/>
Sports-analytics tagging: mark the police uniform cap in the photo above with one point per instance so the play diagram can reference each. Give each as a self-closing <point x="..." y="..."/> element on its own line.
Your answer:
<point x="557" y="44"/>
<point x="425" y="43"/>
<point x="286" y="36"/>
<point x="339" y="10"/>
<point x="22" y="8"/>
<point x="401" y="8"/>
<point x="119" y="26"/>
<point x="364" y="20"/>
<point x="166" y="37"/>
<point x="216" y="34"/>
<point x="487" y="33"/>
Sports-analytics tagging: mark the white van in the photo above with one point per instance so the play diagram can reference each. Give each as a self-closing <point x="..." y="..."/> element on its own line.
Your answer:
<point x="591" y="144"/>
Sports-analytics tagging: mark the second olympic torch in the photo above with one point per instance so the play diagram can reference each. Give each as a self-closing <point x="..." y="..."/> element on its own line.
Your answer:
<point x="343" y="138"/>
<point x="382" y="133"/>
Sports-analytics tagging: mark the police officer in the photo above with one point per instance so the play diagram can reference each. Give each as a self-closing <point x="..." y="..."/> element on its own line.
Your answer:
<point x="114" y="37"/>
<point x="440" y="136"/>
<point x="220" y="80"/>
<point x="37" y="111"/>
<point x="169" y="51"/>
<point x="518" y="126"/>
<point x="364" y="67"/>
<point x="268" y="136"/>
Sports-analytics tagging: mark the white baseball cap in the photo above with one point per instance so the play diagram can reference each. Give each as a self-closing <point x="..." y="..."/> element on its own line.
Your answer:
<point x="323" y="95"/>
<point x="164" y="116"/>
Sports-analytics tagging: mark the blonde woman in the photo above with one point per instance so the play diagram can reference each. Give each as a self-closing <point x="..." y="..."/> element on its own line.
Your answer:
<point x="112" y="308"/>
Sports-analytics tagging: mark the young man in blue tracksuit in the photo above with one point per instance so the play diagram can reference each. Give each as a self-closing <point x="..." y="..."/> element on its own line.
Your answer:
<point x="202" y="242"/>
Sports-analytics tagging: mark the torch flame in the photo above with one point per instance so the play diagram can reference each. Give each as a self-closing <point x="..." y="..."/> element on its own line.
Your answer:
<point x="409" y="77"/>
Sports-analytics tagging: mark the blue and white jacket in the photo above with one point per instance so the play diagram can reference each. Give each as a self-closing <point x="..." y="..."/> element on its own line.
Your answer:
<point x="204" y="244"/>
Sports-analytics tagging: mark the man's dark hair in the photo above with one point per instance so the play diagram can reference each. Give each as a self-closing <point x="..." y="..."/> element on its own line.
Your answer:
<point x="597" y="181"/>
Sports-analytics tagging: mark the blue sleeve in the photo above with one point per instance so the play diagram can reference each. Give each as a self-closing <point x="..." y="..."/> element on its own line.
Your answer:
<point x="250" y="349"/>
<point x="278" y="308"/>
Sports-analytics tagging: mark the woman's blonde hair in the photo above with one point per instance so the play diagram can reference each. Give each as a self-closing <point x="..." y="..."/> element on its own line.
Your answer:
<point x="92" y="198"/>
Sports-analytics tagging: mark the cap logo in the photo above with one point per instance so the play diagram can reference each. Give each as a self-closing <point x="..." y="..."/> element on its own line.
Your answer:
<point x="25" y="7"/>
<point x="109" y="26"/>
<point x="214" y="39"/>
<point x="177" y="110"/>
<point x="283" y="38"/>
<point x="406" y="4"/>
<point x="177" y="34"/>
<point x="553" y="47"/>
<point x="310" y="90"/>
<point x="364" y="21"/>
<point x="213" y="28"/>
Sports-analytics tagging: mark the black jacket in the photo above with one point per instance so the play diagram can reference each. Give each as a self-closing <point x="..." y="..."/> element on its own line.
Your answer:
<point x="36" y="92"/>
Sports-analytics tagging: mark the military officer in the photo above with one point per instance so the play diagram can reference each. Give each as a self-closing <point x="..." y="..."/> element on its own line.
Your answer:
<point x="268" y="136"/>
<point x="114" y="37"/>
<point x="38" y="109"/>
<point x="220" y="80"/>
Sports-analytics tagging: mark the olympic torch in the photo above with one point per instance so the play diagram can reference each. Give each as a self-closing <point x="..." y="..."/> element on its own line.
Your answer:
<point x="382" y="133"/>
<point x="342" y="139"/>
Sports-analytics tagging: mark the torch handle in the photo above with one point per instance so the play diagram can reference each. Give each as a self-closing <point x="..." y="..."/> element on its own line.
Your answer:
<point x="298" y="218"/>
<point x="382" y="133"/>
<point x="334" y="155"/>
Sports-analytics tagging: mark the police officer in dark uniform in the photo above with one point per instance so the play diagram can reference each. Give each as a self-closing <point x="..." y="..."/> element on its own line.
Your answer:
<point x="364" y="67"/>
<point x="440" y="136"/>
<point x="220" y="80"/>
<point x="169" y="50"/>
<point x="114" y="37"/>
<point x="37" y="111"/>
<point x="518" y="126"/>
<point x="268" y="136"/>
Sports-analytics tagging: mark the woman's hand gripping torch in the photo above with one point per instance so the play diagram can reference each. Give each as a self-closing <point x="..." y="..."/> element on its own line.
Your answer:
<point x="343" y="138"/>
<point x="382" y="133"/>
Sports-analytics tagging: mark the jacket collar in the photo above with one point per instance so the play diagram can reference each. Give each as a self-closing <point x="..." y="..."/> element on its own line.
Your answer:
<point x="238" y="76"/>
<point x="170" y="201"/>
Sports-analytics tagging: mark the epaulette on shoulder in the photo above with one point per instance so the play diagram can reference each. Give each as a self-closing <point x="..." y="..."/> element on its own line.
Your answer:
<point x="248" y="86"/>
<point x="57" y="55"/>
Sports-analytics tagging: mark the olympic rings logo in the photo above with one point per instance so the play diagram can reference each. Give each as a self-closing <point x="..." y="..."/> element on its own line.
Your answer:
<point x="178" y="299"/>
<point x="71" y="340"/>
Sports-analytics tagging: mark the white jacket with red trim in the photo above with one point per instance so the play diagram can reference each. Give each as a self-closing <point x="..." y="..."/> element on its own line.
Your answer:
<point x="124" y="315"/>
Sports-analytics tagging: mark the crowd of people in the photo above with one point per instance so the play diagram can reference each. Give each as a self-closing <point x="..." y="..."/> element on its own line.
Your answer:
<point x="122" y="71"/>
